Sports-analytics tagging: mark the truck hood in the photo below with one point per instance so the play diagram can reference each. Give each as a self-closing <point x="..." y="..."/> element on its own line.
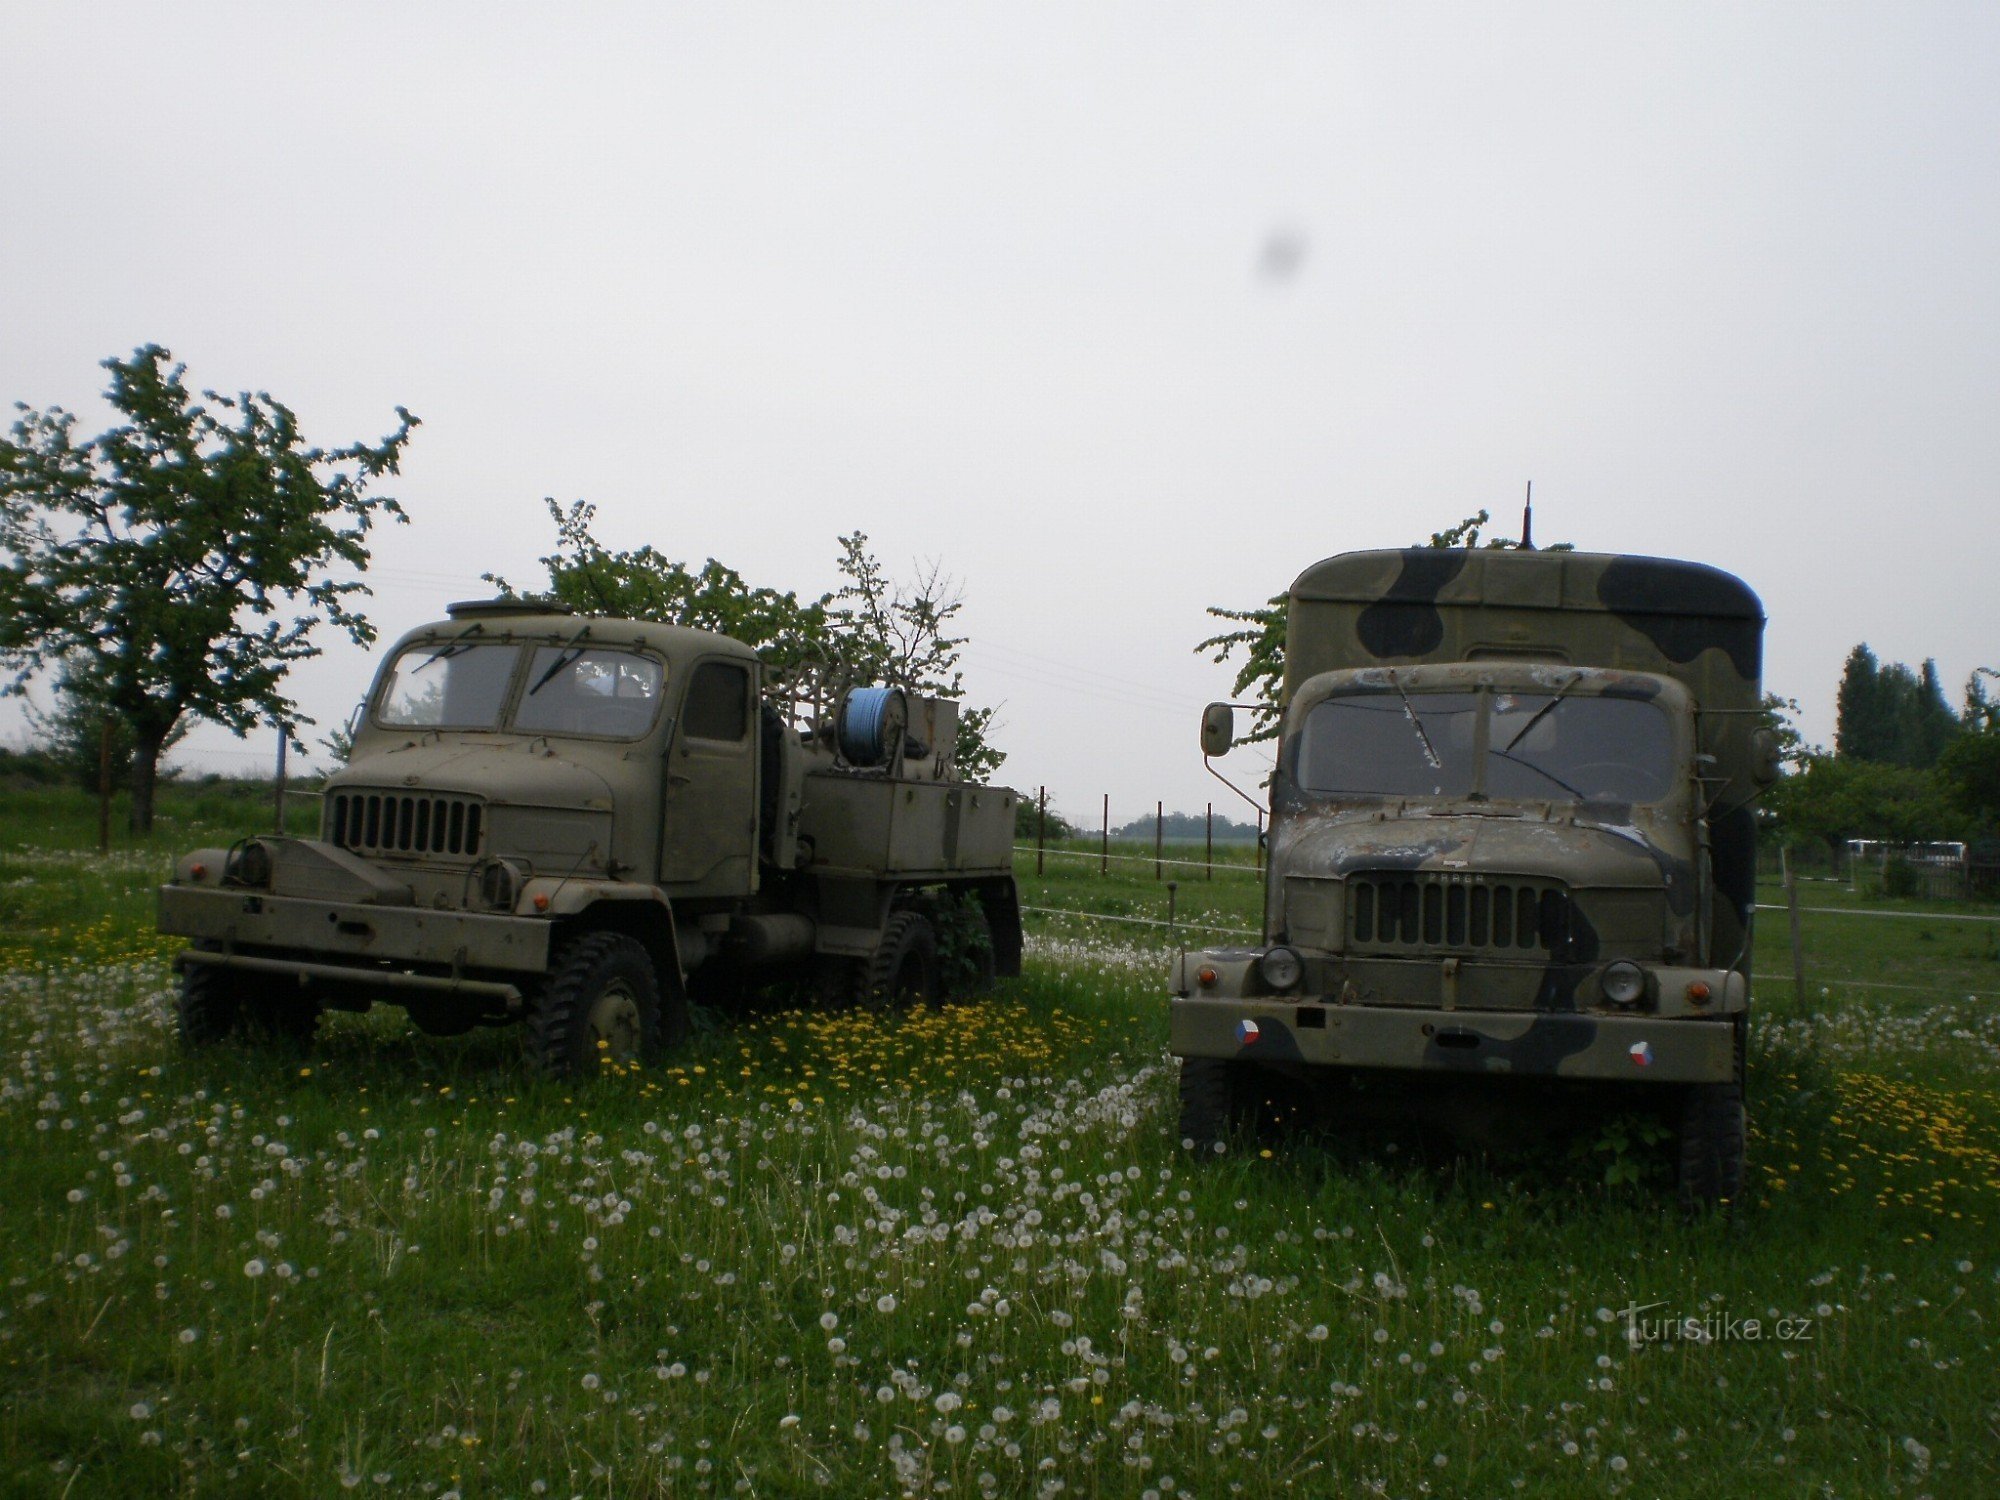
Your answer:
<point x="1580" y="853"/>
<point x="525" y="772"/>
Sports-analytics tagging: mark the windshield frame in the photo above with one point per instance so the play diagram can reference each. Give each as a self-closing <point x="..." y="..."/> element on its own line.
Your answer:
<point x="1668" y="698"/>
<point x="526" y="649"/>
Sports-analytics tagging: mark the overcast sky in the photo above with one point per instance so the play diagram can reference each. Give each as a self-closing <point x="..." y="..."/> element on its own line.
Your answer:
<point x="1117" y="310"/>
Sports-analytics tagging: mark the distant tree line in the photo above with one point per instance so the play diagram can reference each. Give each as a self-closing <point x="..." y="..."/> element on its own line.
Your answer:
<point x="1905" y="766"/>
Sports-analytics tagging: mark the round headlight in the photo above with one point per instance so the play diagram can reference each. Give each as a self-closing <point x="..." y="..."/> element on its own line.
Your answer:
<point x="1281" y="968"/>
<point x="1624" y="983"/>
<point x="249" y="864"/>
<point x="498" y="885"/>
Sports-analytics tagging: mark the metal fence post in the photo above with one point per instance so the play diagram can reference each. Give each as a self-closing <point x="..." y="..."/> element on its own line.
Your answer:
<point x="1798" y="947"/>
<point x="278" y="790"/>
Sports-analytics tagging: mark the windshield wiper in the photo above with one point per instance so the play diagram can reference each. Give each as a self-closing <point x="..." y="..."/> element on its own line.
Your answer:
<point x="1539" y="771"/>
<point x="569" y="653"/>
<point x="1539" y="714"/>
<point x="452" y="647"/>
<point x="1410" y="709"/>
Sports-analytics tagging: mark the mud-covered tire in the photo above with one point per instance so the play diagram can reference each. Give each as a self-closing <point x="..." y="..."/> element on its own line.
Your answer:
<point x="602" y="988"/>
<point x="903" y="969"/>
<point x="1712" y="1128"/>
<point x="209" y="1008"/>
<point x="1208" y="1098"/>
<point x="287" y="1020"/>
<point x="218" y="1004"/>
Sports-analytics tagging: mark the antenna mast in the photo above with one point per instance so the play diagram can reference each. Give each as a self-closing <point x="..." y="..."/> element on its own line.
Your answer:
<point x="1528" y="520"/>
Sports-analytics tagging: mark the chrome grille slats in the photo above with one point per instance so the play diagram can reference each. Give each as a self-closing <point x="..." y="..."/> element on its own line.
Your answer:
<point x="1396" y="911"/>
<point x="414" y="823"/>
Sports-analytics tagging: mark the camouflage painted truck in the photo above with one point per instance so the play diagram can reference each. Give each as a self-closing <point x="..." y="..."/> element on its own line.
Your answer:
<point x="573" y="823"/>
<point x="1510" y="834"/>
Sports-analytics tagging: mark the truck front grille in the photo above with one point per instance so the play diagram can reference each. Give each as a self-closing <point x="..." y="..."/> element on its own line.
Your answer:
<point x="404" y="823"/>
<point x="1427" y="910"/>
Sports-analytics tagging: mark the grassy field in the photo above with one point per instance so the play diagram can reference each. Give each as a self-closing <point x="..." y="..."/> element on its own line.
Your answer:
<point x="954" y="1252"/>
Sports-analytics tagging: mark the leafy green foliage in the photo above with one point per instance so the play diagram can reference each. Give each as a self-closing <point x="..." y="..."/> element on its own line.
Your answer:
<point x="645" y="584"/>
<point x="1793" y="750"/>
<point x="1890" y="714"/>
<point x="1629" y="1150"/>
<point x="1260" y="634"/>
<point x="72" y="732"/>
<point x="1835" y="798"/>
<point x="179" y="563"/>
<point x="873" y="628"/>
<point x="1969" y="766"/>
<point x="1027" y="819"/>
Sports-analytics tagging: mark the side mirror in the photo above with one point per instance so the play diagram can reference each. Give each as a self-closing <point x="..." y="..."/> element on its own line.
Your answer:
<point x="1218" y="729"/>
<point x="1765" y="756"/>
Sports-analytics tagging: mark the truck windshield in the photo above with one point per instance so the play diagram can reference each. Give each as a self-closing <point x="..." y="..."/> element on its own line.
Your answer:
<point x="1539" y="746"/>
<point x="450" y="686"/>
<point x="585" y="690"/>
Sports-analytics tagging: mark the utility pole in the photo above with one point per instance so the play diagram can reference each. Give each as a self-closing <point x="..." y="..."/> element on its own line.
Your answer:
<point x="1041" y="827"/>
<point x="1159" y="830"/>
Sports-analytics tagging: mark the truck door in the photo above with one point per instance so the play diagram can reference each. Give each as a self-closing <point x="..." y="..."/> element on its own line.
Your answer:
<point x="709" y="842"/>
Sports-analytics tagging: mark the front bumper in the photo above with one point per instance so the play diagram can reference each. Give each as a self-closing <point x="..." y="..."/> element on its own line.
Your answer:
<point x="1628" y="1049"/>
<point x="353" y="935"/>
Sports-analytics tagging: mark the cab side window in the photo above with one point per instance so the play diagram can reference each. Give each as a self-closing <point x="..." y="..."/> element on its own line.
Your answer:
<point x="718" y="702"/>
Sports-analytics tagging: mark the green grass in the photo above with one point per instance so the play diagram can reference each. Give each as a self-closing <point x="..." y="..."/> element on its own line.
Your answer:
<point x="949" y="1252"/>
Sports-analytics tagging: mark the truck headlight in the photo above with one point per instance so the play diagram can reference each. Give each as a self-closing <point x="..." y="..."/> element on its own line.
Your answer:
<point x="499" y="884"/>
<point x="1281" y="968"/>
<point x="1624" y="983"/>
<point x="248" y="864"/>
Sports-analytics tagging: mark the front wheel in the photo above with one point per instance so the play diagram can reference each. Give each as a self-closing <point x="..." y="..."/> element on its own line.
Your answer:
<point x="217" y="1004"/>
<point x="1210" y="1101"/>
<point x="903" y="968"/>
<point x="599" y="1007"/>
<point x="210" y="1006"/>
<point x="1711" y="1135"/>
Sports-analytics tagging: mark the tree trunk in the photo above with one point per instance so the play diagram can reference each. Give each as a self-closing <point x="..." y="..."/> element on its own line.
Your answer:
<point x="146" y="749"/>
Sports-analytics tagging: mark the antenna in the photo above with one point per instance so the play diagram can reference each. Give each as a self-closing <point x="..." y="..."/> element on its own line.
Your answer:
<point x="1528" y="520"/>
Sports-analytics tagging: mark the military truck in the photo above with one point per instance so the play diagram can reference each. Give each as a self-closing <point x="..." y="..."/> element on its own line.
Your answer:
<point x="1510" y="834"/>
<point x="574" y="823"/>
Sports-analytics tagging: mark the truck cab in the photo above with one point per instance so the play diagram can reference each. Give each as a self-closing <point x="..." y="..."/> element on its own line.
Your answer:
<point x="1510" y="834"/>
<point x="573" y="821"/>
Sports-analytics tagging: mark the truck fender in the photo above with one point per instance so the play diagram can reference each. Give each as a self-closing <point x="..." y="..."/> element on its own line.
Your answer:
<point x="641" y="911"/>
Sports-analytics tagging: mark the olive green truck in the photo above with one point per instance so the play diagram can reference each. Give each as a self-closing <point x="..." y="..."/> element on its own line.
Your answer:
<point x="1511" y="833"/>
<point x="576" y="823"/>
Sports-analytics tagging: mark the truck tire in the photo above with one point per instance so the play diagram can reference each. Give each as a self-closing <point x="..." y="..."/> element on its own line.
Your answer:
<point x="1208" y="1096"/>
<point x="1711" y="1146"/>
<point x="210" y="1006"/>
<point x="286" y="1020"/>
<point x="599" y="1006"/>
<point x="217" y="1004"/>
<point x="903" y="967"/>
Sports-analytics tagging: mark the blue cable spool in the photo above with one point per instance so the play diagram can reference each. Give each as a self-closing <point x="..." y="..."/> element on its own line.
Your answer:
<point x="871" y="721"/>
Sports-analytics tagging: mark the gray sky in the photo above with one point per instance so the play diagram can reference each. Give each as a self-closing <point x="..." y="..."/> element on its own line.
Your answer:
<point x="1119" y="311"/>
